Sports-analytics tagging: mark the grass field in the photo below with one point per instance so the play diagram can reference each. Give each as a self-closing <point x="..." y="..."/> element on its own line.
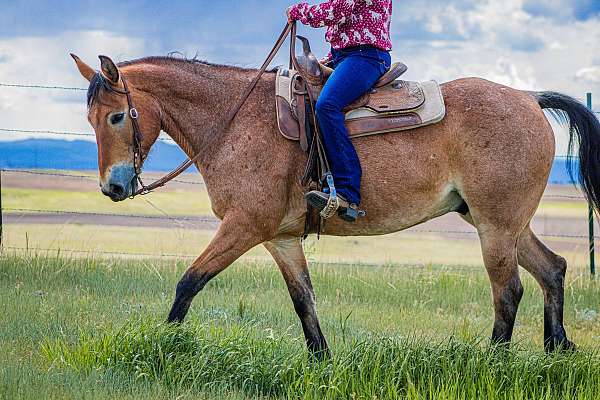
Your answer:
<point x="75" y="328"/>
<point x="407" y="315"/>
<point x="184" y="202"/>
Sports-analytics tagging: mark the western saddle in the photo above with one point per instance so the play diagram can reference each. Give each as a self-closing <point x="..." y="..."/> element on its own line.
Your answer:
<point x="392" y="105"/>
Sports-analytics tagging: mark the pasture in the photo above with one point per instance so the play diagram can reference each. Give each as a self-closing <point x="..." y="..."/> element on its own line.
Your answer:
<point x="92" y="328"/>
<point x="406" y="315"/>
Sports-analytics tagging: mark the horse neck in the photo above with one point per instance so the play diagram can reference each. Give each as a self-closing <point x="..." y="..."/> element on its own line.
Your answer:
<point x="194" y="100"/>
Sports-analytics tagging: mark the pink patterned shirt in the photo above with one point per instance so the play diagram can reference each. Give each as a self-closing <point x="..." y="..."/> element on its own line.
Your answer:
<point x="349" y="22"/>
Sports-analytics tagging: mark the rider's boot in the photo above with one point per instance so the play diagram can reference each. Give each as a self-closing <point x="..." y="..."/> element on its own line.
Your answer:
<point x="345" y="210"/>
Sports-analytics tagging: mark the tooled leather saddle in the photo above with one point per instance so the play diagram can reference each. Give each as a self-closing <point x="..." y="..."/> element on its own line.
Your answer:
<point x="392" y="105"/>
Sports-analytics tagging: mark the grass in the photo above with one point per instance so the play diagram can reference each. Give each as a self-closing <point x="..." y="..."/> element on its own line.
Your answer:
<point x="398" y="248"/>
<point x="174" y="202"/>
<point x="92" y="328"/>
<point x="192" y="201"/>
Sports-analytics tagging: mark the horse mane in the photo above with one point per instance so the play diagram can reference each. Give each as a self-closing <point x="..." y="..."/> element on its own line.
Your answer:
<point x="178" y="58"/>
<point x="97" y="83"/>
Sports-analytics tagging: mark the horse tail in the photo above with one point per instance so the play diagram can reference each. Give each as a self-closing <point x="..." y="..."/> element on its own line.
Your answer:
<point x="584" y="131"/>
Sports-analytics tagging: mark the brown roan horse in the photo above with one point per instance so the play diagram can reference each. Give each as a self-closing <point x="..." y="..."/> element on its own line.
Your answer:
<point x="488" y="160"/>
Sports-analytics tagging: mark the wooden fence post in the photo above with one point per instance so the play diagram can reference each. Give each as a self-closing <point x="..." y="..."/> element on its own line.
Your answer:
<point x="1" y="242"/>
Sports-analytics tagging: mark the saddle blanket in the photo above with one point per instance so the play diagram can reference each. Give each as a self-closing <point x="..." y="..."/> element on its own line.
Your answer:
<point x="399" y="106"/>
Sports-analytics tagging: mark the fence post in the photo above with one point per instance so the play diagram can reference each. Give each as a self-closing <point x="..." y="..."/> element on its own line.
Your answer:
<point x="591" y="215"/>
<point x="1" y="242"/>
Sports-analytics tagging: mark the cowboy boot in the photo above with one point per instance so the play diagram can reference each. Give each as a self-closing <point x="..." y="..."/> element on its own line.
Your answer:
<point x="320" y="200"/>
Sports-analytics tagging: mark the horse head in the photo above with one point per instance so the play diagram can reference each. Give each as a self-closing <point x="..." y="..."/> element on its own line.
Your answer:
<point x="126" y="121"/>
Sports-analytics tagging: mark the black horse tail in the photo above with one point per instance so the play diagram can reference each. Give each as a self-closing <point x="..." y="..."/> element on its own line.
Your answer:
<point x="584" y="131"/>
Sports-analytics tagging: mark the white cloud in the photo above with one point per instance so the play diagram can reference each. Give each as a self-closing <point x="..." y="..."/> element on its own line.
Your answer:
<point x="502" y="42"/>
<point x="46" y="61"/>
<point x="520" y="43"/>
<point x="589" y="75"/>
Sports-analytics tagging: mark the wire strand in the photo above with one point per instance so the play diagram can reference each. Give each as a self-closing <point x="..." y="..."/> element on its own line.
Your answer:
<point x="36" y="172"/>
<point x="65" y="133"/>
<point x="27" y="86"/>
<point x="99" y="214"/>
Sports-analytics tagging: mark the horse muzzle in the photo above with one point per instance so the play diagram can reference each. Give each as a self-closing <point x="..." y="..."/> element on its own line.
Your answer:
<point x="121" y="182"/>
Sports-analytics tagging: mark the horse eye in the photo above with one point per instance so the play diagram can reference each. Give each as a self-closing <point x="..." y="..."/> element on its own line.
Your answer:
<point x="115" y="119"/>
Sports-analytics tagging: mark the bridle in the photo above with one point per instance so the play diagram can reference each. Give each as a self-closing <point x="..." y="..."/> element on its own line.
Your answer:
<point x="138" y="156"/>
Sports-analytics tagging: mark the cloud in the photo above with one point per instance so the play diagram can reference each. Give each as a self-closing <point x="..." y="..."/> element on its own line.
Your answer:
<point x="590" y="75"/>
<point x="527" y="44"/>
<point x="46" y="61"/>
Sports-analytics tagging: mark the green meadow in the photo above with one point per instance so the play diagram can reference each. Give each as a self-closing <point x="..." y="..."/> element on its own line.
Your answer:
<point x="92" y="327"/>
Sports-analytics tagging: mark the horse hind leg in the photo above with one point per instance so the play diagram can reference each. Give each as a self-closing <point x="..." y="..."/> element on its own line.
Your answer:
<point x="499" y="250"/>
<point x="549" y="271"/>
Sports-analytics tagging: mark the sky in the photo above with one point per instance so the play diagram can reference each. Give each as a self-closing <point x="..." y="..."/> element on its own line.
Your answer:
<point x="526" y="44"/>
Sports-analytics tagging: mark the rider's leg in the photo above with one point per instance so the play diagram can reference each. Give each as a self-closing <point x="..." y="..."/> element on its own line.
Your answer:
<point x="355" y="73"/>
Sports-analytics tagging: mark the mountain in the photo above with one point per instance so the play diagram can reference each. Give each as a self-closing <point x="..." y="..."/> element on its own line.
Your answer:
<point x="81" y="155"/>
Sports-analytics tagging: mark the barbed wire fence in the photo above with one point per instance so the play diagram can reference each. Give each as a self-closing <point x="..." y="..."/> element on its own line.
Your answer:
<point x="189" y="221"/>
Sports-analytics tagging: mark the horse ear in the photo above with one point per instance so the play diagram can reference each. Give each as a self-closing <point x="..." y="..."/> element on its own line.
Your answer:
<point x="86" y="71"/>
<point x="109" y="69"/>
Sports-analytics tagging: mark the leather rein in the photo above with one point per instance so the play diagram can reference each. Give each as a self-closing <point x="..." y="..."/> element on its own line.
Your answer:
<point x="138" y="156"/>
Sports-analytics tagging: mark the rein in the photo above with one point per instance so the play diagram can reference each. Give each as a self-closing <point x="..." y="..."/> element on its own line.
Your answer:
<point x="138" y="157"/>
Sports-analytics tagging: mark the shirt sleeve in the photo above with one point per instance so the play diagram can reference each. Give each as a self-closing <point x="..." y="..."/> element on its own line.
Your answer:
<point x="329" y="13"/>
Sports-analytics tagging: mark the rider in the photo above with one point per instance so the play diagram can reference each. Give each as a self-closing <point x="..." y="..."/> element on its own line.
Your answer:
<point x="359" y="34"/>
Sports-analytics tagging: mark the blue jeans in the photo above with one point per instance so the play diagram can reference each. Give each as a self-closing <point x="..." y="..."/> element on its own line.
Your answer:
<point x="356" y="70"/>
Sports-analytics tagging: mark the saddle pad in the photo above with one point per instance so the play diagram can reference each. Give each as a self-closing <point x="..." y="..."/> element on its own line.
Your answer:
<point x="417" y="105"/>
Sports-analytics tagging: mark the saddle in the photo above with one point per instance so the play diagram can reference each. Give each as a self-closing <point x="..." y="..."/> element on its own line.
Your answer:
<point x="392" y="105"/>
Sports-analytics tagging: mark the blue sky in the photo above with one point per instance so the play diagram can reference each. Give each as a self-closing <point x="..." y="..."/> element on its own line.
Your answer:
<point x="528" y="44"/>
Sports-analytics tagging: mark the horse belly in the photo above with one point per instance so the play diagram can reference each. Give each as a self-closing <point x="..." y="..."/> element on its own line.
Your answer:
<point x="406" y="181"/>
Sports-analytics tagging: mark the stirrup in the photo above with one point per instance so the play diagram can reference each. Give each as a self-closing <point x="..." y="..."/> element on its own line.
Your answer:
<point x="333" y="203"/>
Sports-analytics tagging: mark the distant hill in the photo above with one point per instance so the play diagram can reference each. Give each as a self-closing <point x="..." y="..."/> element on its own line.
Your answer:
<point x="76" y="155"/>
<point x="81" y="155"/>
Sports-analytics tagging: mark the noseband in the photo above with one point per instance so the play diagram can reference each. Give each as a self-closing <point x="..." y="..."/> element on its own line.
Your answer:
<point x="138" y="156"/>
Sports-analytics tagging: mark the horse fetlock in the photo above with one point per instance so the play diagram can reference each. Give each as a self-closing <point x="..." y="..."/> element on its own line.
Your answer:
<point x="179" y="310"/>
<point x="559" y="342"/>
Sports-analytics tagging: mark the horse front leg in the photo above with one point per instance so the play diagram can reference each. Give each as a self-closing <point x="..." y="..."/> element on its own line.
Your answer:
<point x="289" y="256"/>
<point x="234" y="237"/>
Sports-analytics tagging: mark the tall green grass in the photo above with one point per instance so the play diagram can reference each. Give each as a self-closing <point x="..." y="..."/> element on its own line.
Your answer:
<point x="92" y="328"/>
<point x="209" y="358"/>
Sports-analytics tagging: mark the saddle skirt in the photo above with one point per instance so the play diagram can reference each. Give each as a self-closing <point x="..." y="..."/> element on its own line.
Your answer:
<point x="400" y="105"/>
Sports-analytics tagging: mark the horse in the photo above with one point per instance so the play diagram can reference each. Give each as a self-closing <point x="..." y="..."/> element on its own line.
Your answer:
<point x="488" y="160"/>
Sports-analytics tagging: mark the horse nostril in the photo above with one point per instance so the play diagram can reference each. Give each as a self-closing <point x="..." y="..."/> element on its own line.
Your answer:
<point x="117" y="190"/>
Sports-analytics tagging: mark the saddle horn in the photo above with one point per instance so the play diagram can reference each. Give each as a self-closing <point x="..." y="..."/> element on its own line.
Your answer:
<point x="308" y="65"/>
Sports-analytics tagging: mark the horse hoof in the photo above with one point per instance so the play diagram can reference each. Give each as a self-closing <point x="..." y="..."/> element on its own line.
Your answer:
<point x="562" y="345"/>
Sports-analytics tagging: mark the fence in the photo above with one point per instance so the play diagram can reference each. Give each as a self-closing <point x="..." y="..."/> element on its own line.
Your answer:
<point x="205" y="220"/>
